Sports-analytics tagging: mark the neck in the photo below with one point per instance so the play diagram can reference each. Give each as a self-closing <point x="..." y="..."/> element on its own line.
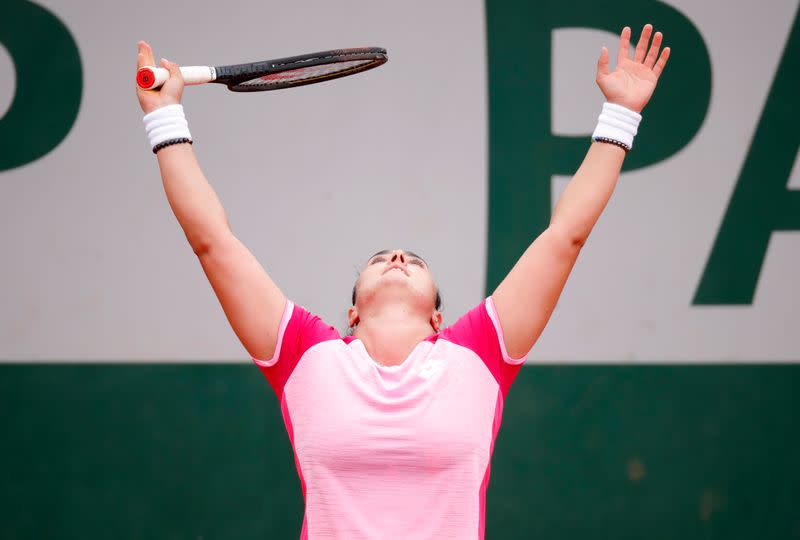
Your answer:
<point x="390" y="334"/>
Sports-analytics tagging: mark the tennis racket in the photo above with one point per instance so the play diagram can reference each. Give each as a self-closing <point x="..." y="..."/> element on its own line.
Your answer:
<point x="273" y="74"/>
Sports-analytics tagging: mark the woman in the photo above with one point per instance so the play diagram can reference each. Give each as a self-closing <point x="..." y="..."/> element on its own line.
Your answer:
<point x="393" y="427"/>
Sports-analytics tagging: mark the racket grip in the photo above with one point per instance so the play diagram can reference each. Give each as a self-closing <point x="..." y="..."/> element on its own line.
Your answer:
<point x="151" y="77"/>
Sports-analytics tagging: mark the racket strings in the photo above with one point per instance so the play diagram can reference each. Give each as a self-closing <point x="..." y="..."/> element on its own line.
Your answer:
<point x="299" y="70"/>
<point x="308" y="73"/>
<point x="333" y="54"/>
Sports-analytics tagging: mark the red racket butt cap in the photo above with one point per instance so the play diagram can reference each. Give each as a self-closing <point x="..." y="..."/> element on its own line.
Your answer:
<point x="145" y="77"/>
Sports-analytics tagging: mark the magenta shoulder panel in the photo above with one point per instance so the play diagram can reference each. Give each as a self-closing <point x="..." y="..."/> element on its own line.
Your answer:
<point x="478" y="331"/>
<point x="299" y="331"/>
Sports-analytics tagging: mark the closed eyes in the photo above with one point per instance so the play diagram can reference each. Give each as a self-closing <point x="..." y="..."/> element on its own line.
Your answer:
<point x="411" y="260"/>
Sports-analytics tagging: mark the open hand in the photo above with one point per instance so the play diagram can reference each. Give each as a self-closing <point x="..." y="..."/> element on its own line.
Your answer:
<point x="633" y="81"/>
<point x="172" y="90"/>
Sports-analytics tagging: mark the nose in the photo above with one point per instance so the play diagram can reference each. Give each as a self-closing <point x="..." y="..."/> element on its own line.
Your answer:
<point x="398" y="256"/>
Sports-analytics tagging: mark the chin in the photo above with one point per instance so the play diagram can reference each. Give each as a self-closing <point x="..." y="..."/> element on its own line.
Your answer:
<point x="395" y="287"/>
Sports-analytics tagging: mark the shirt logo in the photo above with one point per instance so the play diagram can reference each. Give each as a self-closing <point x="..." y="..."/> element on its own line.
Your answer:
<point x="430" y="367"/>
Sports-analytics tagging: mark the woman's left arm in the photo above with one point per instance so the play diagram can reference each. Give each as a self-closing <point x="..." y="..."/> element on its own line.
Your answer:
<point x="525" y="299"/>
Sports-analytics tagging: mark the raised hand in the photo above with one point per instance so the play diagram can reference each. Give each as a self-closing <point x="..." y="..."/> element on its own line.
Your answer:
<point x="172" y="90"/>
<point x="633" y="81"/>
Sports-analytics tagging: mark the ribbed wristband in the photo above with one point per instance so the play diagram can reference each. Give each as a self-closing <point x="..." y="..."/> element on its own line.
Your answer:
<point x="165" y="124"/>
<point x="617" y="123"/>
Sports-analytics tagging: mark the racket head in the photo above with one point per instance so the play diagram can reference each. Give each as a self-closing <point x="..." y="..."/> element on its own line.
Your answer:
<point x="299" y="70"/>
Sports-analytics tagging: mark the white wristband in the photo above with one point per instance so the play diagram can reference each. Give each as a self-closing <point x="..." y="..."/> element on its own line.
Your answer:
<point x="166" y="123"/>
<point x="617" y="123"/>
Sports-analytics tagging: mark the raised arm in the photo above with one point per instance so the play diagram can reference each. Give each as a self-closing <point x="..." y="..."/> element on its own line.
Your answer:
<point x="525" y="299"/>
<point x="251" y="301"/>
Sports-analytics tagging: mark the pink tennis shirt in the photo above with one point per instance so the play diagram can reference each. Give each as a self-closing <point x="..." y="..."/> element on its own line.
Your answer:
<point x="398" y="452"/>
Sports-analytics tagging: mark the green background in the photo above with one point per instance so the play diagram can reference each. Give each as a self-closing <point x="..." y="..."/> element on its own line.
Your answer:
<point x="200" y="451"/>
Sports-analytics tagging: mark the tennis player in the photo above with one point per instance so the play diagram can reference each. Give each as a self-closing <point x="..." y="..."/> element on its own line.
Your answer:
<point x="393" y="426"/>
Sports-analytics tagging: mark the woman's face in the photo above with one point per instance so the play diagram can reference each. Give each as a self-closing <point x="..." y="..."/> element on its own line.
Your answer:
<point x="393" y="274"/>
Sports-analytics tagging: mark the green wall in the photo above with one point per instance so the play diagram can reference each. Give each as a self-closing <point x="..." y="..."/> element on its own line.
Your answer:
<point x="200" y="451"/>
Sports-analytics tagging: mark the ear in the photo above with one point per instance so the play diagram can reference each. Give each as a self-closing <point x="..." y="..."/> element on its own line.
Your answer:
<point x="436" y="321"/>
<point x="352" y="317"/>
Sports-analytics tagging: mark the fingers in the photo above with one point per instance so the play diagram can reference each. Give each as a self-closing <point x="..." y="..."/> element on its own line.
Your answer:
<point x="602" y="62"/>
<point x="653" y="53"/>
<point x="644" y="41"/>
<point x="624" y="44"/>
<point x="642" y="49"/>
<point x="140" y="62"/>
<point x="173" y="88"/>
<point x="145" y="56"/>
<point x="174" y="69"/>
<point x="662" y="61"/>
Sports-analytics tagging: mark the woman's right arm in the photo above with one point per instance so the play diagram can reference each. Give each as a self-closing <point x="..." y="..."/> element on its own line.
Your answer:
<point x="250" y="299"/>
